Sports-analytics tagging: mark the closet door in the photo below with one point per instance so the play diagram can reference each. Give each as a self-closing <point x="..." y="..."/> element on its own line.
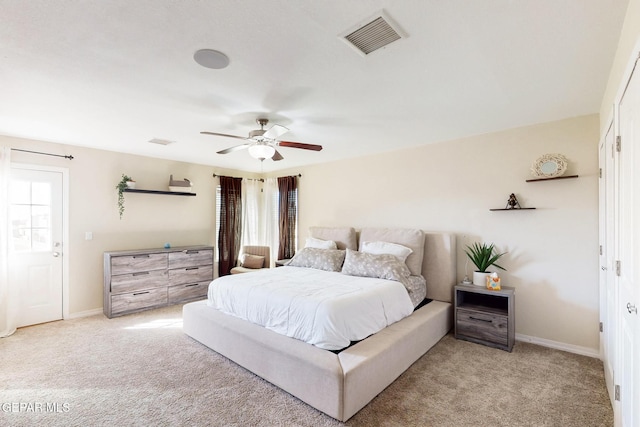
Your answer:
<point x="628" y="373"/>
<point x="608" y="293"/>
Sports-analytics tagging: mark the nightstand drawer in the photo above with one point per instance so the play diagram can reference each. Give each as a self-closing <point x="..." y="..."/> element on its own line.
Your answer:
<point x="483" y="326"/>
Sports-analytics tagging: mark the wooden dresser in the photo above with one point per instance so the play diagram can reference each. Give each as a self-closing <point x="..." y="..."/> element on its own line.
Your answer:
<point x="138" y="280"/>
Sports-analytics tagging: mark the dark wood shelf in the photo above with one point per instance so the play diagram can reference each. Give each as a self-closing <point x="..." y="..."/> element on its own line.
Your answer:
<point x="551" y="179"/>
<point x="512" y="209"/>
<point x="171" y="193"/>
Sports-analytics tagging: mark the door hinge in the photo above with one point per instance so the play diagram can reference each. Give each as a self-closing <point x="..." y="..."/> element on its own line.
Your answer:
<point x="600" y="173"/>
<point x="601" y="327"/>
<point x="618" y="143"/>
<point x="600" y="249"/>
<point x="617" y="393"/>
<point x="617" y="268"/>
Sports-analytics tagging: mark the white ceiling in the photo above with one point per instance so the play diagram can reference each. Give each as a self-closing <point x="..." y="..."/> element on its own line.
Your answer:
<point x="114" y="74"/>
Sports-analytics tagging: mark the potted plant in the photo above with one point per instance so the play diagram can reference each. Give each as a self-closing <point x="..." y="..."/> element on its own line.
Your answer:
<point x="125" y="182"/>
<point x="483" y="256"/>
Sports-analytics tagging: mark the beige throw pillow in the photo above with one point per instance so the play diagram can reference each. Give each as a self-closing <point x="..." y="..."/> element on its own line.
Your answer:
<point x="252" y="261"/>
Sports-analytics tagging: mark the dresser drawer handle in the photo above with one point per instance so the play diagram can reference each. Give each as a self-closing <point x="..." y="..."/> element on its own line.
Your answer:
<point x="193" y="284"/>
<point x="141" y="256"/>
<point x="141" y="273"/>
<point x="482" y="320"/>
<point x="192" y="268"/>
<point x="186" y="251"/>
<point x="140" y="293"/>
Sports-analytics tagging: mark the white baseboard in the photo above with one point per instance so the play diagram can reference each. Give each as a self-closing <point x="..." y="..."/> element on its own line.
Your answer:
<point x="584" y="351"/>
<point x="85" y="313"/>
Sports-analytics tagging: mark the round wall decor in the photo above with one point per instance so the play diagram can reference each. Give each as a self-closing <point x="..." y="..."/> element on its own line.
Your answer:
<point x="549" y="166"/>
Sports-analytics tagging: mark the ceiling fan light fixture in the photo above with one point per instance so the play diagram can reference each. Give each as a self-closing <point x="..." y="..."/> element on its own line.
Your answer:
<point x="261" y="151"/>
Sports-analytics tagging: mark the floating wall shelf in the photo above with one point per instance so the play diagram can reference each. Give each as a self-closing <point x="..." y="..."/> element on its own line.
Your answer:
<point x="512" y="209"/>
<point x="551" y="179"/>
<point x="171" y="193"/>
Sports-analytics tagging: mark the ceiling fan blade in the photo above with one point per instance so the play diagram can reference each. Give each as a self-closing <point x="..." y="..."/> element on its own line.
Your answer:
<point x="235" y="148"/>
<point x="275" y="131"/>
<point x="222" y="134"/>
<point x="302" y="145"/>
<point x="277" y="156"/>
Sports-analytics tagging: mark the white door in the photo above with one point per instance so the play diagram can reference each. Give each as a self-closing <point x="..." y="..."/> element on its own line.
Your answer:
<point x="628" y="374"/>
<point x="35" y="244"/>
<point x="608" y="294"/>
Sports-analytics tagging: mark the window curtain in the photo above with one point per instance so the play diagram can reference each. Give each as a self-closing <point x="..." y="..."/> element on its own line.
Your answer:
<point x="8" y="304"/>
<point x="270" y="212"/>
<point x="251" y="212"/>
<point x="287" y="215"/>
<point x="230" y="223"/>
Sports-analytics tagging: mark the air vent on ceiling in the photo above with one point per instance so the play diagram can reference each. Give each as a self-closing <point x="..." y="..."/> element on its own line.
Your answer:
<point x="160" y="141"/>
<point x="374" y="35"/>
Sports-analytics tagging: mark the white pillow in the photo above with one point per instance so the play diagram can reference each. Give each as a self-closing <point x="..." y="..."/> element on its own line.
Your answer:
<point x="312" y="242"/>
<point x="378" y="248"/>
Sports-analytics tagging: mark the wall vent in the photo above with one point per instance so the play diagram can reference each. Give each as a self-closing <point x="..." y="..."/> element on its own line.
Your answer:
<point x="160" y="141"/>
<point x="377" y="33"/>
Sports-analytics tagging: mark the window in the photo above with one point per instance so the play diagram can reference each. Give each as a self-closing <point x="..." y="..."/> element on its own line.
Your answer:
<point x="30" y="216"/>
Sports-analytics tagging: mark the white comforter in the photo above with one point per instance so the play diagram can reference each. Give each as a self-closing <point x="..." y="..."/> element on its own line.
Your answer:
<point x="326" y="309"/>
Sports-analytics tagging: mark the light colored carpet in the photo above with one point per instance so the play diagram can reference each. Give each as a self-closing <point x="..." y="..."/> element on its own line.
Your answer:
<point x="142" y="370"/>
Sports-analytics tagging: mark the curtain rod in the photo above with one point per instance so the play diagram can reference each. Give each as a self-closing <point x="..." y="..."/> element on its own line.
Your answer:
<point x="44" y="154"/>
<point x="257" y="179"/>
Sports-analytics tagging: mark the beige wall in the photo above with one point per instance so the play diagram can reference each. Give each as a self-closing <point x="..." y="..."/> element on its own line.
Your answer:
<point x="149" y="220"/>
<point x="553" y="250"/>
<point x="628" y="44"/>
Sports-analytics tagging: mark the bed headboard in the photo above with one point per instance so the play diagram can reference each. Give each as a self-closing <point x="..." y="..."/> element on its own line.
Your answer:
<point x="439" y="265"/>
<point x="433" y="256"/>
<point x="438" y="262"/>
<point x="345" y="237"/>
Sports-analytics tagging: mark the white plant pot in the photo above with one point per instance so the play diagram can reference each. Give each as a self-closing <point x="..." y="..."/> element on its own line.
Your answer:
<point x="480" y="278"/>
<point x="131" y="184"/>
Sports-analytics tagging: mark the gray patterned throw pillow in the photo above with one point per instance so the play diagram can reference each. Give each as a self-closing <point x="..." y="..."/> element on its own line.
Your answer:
<point x="320" y="259"/>
<point x="382" y="266"/>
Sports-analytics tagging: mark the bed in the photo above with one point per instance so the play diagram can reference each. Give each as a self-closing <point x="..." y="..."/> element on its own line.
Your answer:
<point x="342" y="382"/>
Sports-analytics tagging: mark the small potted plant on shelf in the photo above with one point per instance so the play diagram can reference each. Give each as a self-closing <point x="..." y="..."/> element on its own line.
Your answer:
<point x="483" y="256"/>
<point x="125" y="182"/>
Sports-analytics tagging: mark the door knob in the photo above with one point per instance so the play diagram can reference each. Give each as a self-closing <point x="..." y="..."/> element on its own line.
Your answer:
<point x="632" y="308"/>
<point x="56" y="254"/>
<point x="603" y="268"/>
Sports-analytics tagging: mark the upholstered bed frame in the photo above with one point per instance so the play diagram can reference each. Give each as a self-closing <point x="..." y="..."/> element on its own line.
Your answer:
<point x="338" y="384"/>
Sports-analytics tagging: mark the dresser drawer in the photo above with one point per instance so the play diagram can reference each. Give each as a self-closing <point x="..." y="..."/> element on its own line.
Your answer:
<point x="482" y="326"/>
<point x="138" y="281"/>
<point x="179" y="293"/>
<point x="190" y="258"/>
<point x="134" y="263"/>
<point x="181" y="276"/>
<point x="133" y="301"/>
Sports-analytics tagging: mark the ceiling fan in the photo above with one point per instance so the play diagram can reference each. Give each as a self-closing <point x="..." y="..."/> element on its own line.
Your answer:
<point x="262" y="143"/>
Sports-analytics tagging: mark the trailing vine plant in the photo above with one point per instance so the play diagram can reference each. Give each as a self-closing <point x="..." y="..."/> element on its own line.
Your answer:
<point x="122" y="185"/>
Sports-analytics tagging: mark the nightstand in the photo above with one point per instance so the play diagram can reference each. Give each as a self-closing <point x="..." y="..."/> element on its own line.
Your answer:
<point x="485" y="316"/>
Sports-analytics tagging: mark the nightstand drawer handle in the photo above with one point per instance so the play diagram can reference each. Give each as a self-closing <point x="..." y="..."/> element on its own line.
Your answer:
<point x="140" y="293"/>
<point x="482" y="320"/>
